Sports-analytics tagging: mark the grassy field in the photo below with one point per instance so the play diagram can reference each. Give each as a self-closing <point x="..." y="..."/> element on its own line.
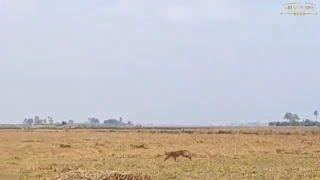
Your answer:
<point x="218" y="153"/>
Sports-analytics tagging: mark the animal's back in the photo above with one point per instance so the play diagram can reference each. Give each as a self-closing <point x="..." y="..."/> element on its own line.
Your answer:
<point x="186" y="153"/>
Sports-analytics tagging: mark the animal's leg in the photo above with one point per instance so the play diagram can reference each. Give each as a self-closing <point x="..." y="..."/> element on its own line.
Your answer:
<point x="166" y="158"/>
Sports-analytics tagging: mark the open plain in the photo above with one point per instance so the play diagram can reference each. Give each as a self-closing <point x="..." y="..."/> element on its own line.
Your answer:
<point x="217" y="153"/>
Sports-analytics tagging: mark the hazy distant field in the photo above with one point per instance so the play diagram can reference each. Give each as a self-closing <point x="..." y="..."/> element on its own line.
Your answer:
<point x="225" y="153"/>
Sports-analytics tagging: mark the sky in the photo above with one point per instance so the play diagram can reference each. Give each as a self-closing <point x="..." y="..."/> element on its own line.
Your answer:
<point x="204" y="62"/>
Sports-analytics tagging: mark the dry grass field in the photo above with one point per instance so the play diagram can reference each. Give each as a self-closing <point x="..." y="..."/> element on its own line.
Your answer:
<point x="225" y="153"/>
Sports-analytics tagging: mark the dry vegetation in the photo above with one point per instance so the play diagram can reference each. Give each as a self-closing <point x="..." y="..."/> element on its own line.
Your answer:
<point x="224" y="153"/>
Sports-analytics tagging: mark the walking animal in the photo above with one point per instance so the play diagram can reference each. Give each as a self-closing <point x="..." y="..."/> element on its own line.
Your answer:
<point x="175" y="154"/>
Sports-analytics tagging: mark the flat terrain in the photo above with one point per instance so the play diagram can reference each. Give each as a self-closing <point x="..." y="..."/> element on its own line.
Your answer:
<point x="218" y="153"/>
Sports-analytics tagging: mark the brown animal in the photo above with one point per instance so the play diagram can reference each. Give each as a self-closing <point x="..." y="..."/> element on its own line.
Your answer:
<point x="175" y="154"/>
<point x="143" y="146"/>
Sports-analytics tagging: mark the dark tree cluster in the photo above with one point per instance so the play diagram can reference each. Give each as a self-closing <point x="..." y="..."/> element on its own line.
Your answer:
<point x="294" y="120"/>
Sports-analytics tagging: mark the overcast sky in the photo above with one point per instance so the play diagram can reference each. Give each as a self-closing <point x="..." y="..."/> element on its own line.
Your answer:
<point x="162" y="62"/>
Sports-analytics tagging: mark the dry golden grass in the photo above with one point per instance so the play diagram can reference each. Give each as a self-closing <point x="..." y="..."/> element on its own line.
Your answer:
<point x="225" y="153"/>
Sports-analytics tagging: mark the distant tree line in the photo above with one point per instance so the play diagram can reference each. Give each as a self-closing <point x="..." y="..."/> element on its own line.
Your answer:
<point x="294" y="120"/>
<point x="111" y="122"/>
<point x="47" y="121"/>
<point x="37" y="121"/>
<point x="91" y="121"/>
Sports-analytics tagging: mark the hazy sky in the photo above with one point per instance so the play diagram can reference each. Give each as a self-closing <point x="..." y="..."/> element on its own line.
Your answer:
<point x="169" y="61"/>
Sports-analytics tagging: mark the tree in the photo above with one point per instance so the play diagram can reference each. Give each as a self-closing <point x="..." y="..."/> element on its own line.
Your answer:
<point x="296" y="117"/>
<point x="50" y="119"/>
<point x="288" y="116"/>
<point x="94" y="120"/>
<point x="316" y="114"/>
<point x="37" y="120"/>
<point x="28" y="121"/>
<point x="291" y="117"/>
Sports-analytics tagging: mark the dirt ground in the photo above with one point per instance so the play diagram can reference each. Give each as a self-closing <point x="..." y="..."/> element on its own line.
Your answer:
<point x="251" y="153"/>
